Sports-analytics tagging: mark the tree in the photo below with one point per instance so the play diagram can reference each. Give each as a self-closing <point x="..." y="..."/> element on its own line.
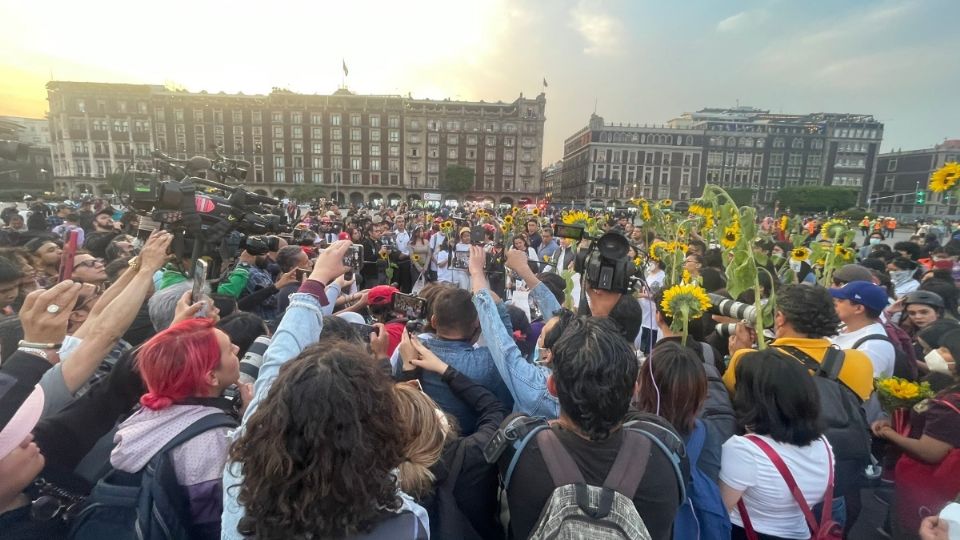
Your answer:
<point x="741" y="196"/>
<point x="457" y="179"/>
<point x="817" y="198"/>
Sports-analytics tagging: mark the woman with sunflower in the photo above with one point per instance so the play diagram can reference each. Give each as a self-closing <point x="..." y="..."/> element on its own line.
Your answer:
<point x="419" y="250"/>
<point x="800" y="264"/>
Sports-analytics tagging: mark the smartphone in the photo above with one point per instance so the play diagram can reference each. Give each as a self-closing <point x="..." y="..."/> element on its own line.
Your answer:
<point x="568" y="231"/>
<point x="302" y="273"/>
<point x="478" y="235"/>
<point x="199" y="279"/>
<point x="365" y="329"/>
<point x="413" y="307"/>
<point x="353" y="259"/>
<point x="69" y="252"/>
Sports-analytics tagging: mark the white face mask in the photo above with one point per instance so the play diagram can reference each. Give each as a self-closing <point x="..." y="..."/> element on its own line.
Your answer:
<point x="936" y="362"/>
<point x="900" y="276"/>
<point x="875" y="241"/>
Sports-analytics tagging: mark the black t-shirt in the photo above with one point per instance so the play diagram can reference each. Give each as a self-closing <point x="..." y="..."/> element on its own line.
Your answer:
<point x="657" y="498"/>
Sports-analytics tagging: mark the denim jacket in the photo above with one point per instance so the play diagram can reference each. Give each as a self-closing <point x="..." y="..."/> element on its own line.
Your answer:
<point x="526" y="382"/>
<point x="300" y="327"/>
<point x="474" y="362"/>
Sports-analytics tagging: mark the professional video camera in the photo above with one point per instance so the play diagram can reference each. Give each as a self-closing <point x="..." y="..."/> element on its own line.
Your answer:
<point x="605" y="264"/>
<point x="735" y="310"/>
<point x="208" y="209"/>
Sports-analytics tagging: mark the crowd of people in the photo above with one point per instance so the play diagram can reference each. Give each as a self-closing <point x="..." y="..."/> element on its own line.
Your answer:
<point x="399" y="373"/>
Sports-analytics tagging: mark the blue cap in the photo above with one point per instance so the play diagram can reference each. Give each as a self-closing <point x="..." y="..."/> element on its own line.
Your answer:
<point x="864" y="293"/>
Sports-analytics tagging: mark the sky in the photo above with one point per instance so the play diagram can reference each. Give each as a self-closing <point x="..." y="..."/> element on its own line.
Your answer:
<point x="643" y="61"/>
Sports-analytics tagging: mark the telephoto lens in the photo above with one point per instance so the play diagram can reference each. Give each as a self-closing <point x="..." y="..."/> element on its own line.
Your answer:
<point x="253" y="359"/>
<point x="732" y="308"/>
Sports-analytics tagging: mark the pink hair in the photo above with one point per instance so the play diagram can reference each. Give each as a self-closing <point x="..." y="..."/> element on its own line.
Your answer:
<point x="175" y="362"/>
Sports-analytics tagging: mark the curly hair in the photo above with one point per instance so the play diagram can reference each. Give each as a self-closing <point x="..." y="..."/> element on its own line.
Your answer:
<point x="595" y="370"/>
<point x="809" y="310"/>
<point x="319" y="453"/>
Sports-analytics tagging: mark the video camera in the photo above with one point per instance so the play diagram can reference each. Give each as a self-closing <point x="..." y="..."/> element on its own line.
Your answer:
<point x="735" y="310"/>
<point x="605" y="265"/>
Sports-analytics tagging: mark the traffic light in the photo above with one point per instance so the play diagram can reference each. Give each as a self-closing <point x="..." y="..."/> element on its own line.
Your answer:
<point x="921" y="197"/>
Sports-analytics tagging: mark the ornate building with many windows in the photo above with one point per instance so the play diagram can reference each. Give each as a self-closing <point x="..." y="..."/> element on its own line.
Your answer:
<point x="741" y="148"/>
<point x="355" y="148"/>
<point x="903" y="173"/>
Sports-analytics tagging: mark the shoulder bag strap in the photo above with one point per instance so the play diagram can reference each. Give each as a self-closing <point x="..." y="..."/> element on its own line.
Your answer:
<point x="455" y="467"/>
<point x="745" y="518"/>
<point x="631" y="464"/>
<point x="802" y="357"/>
<point x="211" y="421"/>
<point x="871" y="337"/>
<point x="563" y="470"/>
<point x="792" y="483"/>
<point x="832" y="363"/>
<point x="947" y="404"/>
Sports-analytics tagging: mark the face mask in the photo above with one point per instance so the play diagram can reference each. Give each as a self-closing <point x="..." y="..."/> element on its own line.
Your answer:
<point x="874" y="241"/>
<point x="936" y="362"/>
<point x="795" y="265"/>
<point x="900" y="276"/>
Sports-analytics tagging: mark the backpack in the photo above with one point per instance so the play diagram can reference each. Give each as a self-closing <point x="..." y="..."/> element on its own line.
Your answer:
<point x="576" y="510"/>
<point x="703" y="515"/>
<point x="905" y="365"/>
<point x="846" y="424"/>
<point x="147" y="504"/>
<point x="450" y="522"/>
<point x="827" y="528"/>
<point x="717" y="416"/>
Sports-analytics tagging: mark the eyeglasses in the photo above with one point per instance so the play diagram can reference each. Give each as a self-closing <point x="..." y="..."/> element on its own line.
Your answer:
<point x="90" y="263"/>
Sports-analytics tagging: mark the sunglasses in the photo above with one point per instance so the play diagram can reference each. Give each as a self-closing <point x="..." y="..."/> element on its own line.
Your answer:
<point x="88" y="263"/>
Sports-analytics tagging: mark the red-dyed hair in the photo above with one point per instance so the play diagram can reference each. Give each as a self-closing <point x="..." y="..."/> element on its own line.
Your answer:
<point x="174" y="362"/>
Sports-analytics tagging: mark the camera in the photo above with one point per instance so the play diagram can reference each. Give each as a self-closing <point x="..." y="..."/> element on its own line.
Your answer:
<point x="253" y="359"/>
<point x="261" y="245"/>
<point x="733" y="309"/>
<point x="605" y="264"/>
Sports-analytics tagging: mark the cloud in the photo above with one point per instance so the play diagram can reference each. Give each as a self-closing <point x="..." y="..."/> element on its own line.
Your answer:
<point x="741" y="21"/>
<point x="602" y="32"/>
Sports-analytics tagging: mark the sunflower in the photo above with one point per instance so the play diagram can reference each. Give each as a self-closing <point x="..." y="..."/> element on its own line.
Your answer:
<point x="784" y="222"/>
<point x="689" y="300"/>
<point x="821" y="262"/>
<point x="536" y="212"/>
<point x="384" y="255"/>
<point x="645" y="211"/>
<point x="685" y="277"/>
<point x="416" y="258"/>
<point x="945" y="177"/>
<point x="832" y="229"/>
<point x="731" y="235"/>
<point x="800" y="254"/>
<point x="658" y="249"/>
<point x="666" y="203"/>
<point x="504" y="228"/>
<point x="638" y="262"/>
<point x="677" y="246"/>
<point x="508" y="219"/>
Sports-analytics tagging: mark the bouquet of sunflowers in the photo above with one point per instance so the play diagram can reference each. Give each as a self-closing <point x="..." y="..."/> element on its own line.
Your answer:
<point x="897" y="396"/>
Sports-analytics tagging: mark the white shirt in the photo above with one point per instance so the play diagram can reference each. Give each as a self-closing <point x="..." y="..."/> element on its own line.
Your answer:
<point x="906" y="287"/>
<point x="435" y="242"/>
<point x="443" y="272"/>
<point x="655" y="282"/>
<point x="772" y="509"/>
<point x="403" y="240"/>
<point x="881" y="352"/>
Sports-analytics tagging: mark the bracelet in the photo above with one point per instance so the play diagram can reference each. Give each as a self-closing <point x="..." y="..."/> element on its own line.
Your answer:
<point x="35" y="345"/>
<point x="37" y="352"/>
<point x="134" y="263"/>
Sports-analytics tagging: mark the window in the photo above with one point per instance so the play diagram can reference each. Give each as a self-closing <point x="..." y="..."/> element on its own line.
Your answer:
<point x="297" y="147"/>
<point x="354" y="119"/>
<point x="278" y="175"/>
<point x="336" y="148"/>
<point x="394" y="164"/>
<point x="454" y="125"/>
<point x="256" y="117"/>
<point x="317" y="177"/>
<point x="375" y="179"/>
<point x="793" y="172"/>
<point x="471" y="153"/>
<point x="509" y="155"/>
<point x="277" y="132"/>
<point x="433" y="152"/>
<point x="355" y="163"/>
<point x="337" y="163"/>
<point x="317" y="162"/>
<point x="375" y="164"/>
<point x="278" y="146"/>
<point x="816" y="144"/>
<point x="336" y="134"/>
<point x="355" y="178"/>
<point x="795" y="159"/>
<point x="776" y="159"/>
<point x="374" y="134"/>
<point x="892" y="165"/>
<point x="453" y="139"/>
<point x="335" y="119"/>
<point x="317" y="148"/>
<point x="491" y="140"/>
<point x="316" y="133"/>
<point x="198" y="115"/>
<point x="758" y="160"/>
<point x="509" y="142"/>
<point x="159" y="114"/>
<point x="297" y="176"/>
<point x="276" y="117"/>
<point x="888" y="182"/>
<point x="471" y="140"/>
<point x="743" y="160"/>
<point x="452" y="153"/>
<point x="374" y="149"/>
<point x="778" y="142"/>
<point x="796" y="143"/>
<point x="296" y="132"/>
<point x="394" y="150"/>
<point x="316" y="119"/>
<point x="81" y="106"/>
<point x="355" y="134"/>
<point x="278" y="162"/>
<point x="393" y="135"/>
<point x="812" y="172"/>
<point x="715" y="158"/>
<point x="775" y="171"/>
<point x="374" y="120"/>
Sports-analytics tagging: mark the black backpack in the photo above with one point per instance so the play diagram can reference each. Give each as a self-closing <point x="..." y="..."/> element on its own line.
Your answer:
<point x="840" y="407"/>
<point x="450" y="520"/>
<point x="145" y="505"/>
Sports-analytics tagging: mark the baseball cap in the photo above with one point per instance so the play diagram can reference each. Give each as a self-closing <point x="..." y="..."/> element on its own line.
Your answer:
<point x="852" y="272"/>
<point x="864" y="293"/>
<point x="464" y="230"/>
<point x="923" y="297"/>
<point x="22" y="423"/>
<point x="381" y="295"/>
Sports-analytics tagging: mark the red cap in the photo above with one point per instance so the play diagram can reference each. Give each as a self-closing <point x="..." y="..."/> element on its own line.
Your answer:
<point x="381" y="295"/>
<point x="343" y="236"/>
